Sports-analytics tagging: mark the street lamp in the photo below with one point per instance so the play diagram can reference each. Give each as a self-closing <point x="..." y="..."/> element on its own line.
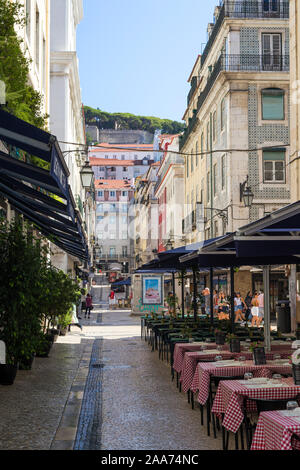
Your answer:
<point x="246" y="194"/>
<point x="86" y="175"/>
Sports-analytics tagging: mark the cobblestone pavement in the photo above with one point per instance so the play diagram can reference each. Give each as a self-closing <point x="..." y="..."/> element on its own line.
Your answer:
<point x="101" y="388"/>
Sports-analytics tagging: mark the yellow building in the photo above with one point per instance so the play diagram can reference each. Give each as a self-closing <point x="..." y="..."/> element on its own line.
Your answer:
<point x="238" y="120"/>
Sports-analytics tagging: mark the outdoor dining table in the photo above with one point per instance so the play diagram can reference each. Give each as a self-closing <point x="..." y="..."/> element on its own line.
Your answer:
<point x="182" y="348"/>
<point x="191" y="360"/>
<point x="230" y="397"/>
<point x="204" y="371"/>
<point x="274" y="430"/>
<point x="190" y="379"/>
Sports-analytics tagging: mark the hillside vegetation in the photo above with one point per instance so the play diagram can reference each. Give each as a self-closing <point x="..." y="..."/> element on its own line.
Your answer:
<point x="104" y="120"/>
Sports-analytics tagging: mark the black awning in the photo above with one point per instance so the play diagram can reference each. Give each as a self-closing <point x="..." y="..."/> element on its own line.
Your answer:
<point x="34" y="191"/>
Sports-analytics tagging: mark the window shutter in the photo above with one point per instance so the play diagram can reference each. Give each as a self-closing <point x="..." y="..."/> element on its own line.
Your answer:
<point x="272" y="104"/>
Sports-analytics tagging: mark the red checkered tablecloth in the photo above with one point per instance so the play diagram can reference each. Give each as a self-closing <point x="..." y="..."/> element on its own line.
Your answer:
<point x="274" y="431"/>
<point x="190" y="362"/>
<point x="205" y="370"/>
<point x="231" y="393"/>
<point x="181" y="348"/>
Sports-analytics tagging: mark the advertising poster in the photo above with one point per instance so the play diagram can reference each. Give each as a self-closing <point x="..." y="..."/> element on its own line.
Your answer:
<point x="152" y="290"/>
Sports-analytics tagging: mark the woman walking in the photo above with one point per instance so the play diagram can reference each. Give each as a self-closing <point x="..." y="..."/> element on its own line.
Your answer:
<point x="88" y="305"/>
<point x="239" y="304"/>
<point x="255" y="310"/>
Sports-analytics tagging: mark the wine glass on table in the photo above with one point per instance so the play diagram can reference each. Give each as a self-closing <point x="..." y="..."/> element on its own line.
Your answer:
<point x="291" y="406"/>
<point x="248" y="376"/>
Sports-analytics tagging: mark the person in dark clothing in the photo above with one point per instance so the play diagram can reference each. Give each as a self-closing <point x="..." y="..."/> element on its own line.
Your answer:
<point x="248" y="302"/>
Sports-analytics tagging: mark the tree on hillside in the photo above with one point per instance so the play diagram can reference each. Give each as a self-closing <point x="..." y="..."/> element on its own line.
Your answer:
<point x="104" y="120"/>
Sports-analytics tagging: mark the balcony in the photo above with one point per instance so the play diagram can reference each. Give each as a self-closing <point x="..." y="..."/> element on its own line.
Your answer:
<point x="236" y="63"/>
<point x="246" y="10"/>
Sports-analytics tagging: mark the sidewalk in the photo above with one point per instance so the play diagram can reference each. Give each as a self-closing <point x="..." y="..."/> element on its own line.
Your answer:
<point x="101" y="389"/>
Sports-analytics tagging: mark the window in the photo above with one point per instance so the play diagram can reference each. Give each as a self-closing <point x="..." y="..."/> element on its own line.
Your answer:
<point x="270" y="6"/>
<point x="223" y="171"/>
<point x="112" y="220"/>
<point x="106" y="156"/>
<point x="272" y="104"/>
<point x="208" y="186"/>
<point x="99" y="208"/>
<point x="125" y="168"/>
<point x="28" y="24"/>
<point x="187" y="165"/>
<point x="124" y="251"/>
<point x="216" y="229"/>
<point x="271" y="46"/>
<point x="99" y="219"/>
<point x="112" y="251"/>
<point x="215" y="179"/>
<point x="124" y="193"/>
<point x="112" y="207"/>
<point x="112" y="236"/>
<point x="113" y="169"/>
<point x="124" y="219"/>
<point x="124" y="235"/>
<point x="37" y="38"/>
<point x="100" y="193"/>
<point x="223" y="110"/>
<point x="101" y="168"/>
<point x="274" y="166"/>
<point x="214" y="126"/>
<point x="207" y="137"/>
<point x="123" y="157"/>
<point x="112" y="193"/>
<point x="124" y="207"/>
<point x="202" y="144"/>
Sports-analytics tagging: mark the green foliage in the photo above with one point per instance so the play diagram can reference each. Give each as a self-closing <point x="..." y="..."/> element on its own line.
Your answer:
<point x="21" y="98"/>
<point x="104" y="120"/>
<point x="22" y="258"/>
<point x="32" y="292"/>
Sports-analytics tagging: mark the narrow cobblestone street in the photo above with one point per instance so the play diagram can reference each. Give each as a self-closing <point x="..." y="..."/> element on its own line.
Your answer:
<point x="100" y="389"/>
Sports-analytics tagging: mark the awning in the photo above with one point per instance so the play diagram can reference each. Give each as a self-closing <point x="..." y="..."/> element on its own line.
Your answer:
<point x="126" y="282"/>
<point x="42" y="196"/>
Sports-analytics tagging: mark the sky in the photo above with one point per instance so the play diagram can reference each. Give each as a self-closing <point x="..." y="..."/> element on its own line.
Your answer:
<point x="135" y="56"/>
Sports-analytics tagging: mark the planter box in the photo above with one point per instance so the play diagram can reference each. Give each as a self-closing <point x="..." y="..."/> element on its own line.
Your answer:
<point x="220" y="338"/>
<point x="296" y="374"/>
<point x="8" y="374"/>
<point x="26" y="364"/>
<point x="235" y="346"/>
<point x="259" y="356"/>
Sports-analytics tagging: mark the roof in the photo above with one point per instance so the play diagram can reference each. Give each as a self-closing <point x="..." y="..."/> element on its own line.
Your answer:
<point x="112" y="184"/>
<point x="110" y="162"/>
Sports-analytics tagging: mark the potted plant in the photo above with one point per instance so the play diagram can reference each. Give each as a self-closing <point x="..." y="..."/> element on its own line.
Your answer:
<point x="44" y="345"/>
<point x="259" y="355"/>
<point x="8" y="373"/>
<point x="23" y="257"/>
<point x="220" y="336"/>
<point x="234" y="343"/>
<point x="296" y="366"/>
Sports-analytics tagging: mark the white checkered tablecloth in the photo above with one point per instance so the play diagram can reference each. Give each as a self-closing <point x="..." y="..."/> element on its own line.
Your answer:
<point x="231" y="393"/>
<point x="274" y="431"/>
<point x="190" y="362"/>
<point x="181" y="348"/>
<point x="204" y="372"/>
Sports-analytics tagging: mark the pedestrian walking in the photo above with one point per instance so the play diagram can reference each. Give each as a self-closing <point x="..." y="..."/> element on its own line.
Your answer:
<point x="216" y="302"/>
<point x="112" y="299"/>
<point x="248" y="300"/>
<point x="239" y="305"/>
<point x="89" y="305"/>
<point x="223" y="307"/>
<point x="261" y="305"/>
<point x="74" y="321"/>
<point x="206" y="293"/>
<point x="255" y="310"/>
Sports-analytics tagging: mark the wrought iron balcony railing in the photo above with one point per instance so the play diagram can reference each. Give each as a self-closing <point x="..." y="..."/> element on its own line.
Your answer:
<point x="236" y="63"/>
<point x="246" y="9"/>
